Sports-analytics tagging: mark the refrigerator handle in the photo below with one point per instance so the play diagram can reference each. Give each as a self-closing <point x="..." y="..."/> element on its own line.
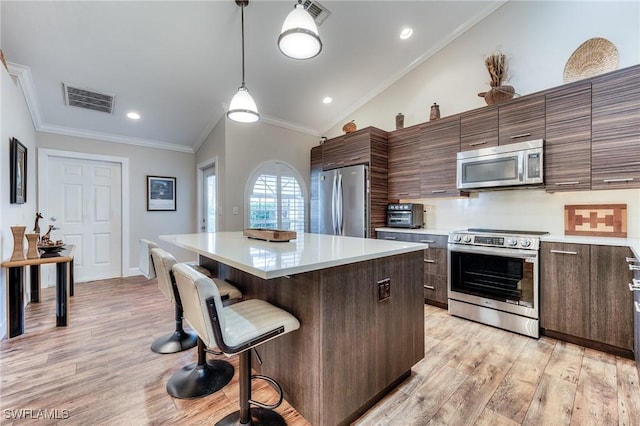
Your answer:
<point x="333" y="203"/>
<point x="340" y="205"/>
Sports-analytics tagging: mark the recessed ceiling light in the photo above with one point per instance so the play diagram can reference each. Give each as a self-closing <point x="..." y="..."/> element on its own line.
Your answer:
<point x="406" y="33"/>
<point x="133" y="115"/>
<point x="327" y="100"/>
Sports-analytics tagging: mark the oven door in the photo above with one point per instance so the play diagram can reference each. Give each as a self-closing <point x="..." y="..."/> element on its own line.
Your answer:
<point x="497" y="278"/>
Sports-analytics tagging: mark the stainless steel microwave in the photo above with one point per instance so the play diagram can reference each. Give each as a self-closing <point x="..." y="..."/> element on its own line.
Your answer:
<point x="501" y="167"/>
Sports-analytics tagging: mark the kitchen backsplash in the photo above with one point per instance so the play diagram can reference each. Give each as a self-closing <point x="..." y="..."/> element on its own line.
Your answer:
<point x="534" y="209"/>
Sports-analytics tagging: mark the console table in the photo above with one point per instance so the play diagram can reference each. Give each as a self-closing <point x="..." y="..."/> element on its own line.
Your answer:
<point x="15" y="286"/>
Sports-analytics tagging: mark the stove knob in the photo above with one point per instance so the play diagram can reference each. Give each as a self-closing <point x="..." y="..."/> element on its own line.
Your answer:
<point x="511" y="242"/>
<point x="467" y="238"/>
<point x="456" y="238"/>
<point x="525" y="242"/>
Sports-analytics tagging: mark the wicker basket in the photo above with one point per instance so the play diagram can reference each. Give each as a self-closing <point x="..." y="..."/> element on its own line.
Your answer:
<point x="593" y="57"/>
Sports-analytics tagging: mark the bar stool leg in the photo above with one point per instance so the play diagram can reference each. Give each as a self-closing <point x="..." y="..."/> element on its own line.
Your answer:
<point x="247" y="415"/>
<point x="200" y="379"/>
<point x="177" y="341"/>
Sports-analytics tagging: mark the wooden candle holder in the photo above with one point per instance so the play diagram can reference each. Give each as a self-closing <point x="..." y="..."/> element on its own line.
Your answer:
<point x="18" y="242"/>
<point x="32" y="251"/>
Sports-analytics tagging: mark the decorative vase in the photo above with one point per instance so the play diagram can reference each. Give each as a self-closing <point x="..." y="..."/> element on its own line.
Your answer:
<point x="18" y="242"/>
<point x="498" y="94"/>
<point x="32" y="250"/>
<point x="400" y="121"/>
<point x="435" y="112"/>
<point x="349" y="127"/>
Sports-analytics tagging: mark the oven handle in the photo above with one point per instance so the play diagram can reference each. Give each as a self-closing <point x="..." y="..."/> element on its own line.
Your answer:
<point x="507" y="252"/>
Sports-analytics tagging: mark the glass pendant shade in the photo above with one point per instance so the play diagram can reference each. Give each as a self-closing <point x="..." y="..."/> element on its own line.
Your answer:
<point x="243" y="108"/>
<point x="299" y="38"/>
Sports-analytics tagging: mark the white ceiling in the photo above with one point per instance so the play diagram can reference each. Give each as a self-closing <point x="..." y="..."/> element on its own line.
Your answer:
<point x="178" y="63"/>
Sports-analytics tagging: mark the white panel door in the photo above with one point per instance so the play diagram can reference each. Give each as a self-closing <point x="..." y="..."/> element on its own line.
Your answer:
<point x="85" y="198"/>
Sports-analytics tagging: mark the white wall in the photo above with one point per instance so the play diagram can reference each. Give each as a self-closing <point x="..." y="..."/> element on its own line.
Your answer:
<point x="538" y="38"/>
<point x="142" y="162"/>
<point x="15" y="121"/>
<point x="246" y="146"/>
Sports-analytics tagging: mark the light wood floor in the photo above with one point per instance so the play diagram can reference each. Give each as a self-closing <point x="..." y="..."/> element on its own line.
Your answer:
<point x="100" y="371"/>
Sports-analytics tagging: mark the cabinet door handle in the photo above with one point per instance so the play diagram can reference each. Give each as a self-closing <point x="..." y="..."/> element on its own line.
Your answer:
<point x="403" y="193"/>
<point x="438" y="191"/>
<point x="637" y="305"/>
<point x="634" y="267"/>
<point x="429" y="261"/>
<point x="630" y="259"/>
<point x="428" y="241"/>
<point x="617" y="180"/>
<point x="563" y="252"/>
<point x="355" y="158"/>
<point x="478" y="143"/>
<point x="522" y="135"/>
<point x="430" y="287"/>
<point x="634" y="285"/>
<point x="390" y="238"/>
<point x="567" y="183"/>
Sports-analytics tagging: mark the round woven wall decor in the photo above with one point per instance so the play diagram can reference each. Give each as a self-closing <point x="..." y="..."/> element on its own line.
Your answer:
<point x="593" y="57"/>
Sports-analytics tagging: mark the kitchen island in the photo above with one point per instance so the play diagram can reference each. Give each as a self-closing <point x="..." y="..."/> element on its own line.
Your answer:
<point x="360" y="306"/>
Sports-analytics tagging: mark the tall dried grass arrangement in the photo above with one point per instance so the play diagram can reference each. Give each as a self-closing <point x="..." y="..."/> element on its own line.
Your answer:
<point x="497" y="66"/>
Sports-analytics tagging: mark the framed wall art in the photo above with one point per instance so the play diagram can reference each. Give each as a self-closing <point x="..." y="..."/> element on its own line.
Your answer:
<point x="18" y="171"/>
<point x="161" y="193"/>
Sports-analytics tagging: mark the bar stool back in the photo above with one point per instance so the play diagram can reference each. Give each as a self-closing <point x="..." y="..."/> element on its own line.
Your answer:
<point x="234" y="329"/>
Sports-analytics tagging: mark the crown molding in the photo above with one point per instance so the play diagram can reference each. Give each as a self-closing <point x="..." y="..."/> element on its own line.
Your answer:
<point x="23" y="74"/>
<point x="107" y="137"/>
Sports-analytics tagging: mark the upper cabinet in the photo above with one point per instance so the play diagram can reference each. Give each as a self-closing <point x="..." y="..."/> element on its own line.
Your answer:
<point x="567" y="163"/>
<point x="404" y="163"/>
<point x="440" y="144"/>
<point x="479" y="128"/>
<point x="347" y="150"/>
<point x="333" y="153"/>
<point x="615" y="132"/>
<point x="521" y="119"/>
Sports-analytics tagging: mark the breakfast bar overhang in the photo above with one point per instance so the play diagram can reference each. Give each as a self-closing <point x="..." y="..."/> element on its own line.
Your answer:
<point x="359" y="302"/>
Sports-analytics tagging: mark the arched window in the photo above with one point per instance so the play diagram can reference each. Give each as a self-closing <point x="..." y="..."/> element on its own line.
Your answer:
<point x="276" y="198"/>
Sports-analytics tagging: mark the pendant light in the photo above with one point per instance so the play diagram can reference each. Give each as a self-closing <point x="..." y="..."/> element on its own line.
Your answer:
<point x="243" y="108"/>
<point x="299" y="38"/>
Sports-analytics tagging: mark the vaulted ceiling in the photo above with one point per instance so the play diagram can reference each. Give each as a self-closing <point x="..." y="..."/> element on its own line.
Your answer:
<point x="178" y="63"/>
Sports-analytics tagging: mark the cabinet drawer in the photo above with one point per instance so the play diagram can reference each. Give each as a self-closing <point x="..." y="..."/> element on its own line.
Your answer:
<point x="435" y="261"/>
<point x="435" y="289"/>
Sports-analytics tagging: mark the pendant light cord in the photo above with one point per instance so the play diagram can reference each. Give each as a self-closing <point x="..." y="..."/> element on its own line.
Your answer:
<point x="242" y="26"/>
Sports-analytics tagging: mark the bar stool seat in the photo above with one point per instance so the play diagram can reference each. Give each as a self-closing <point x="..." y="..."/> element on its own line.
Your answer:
<point x="235" y="328"/>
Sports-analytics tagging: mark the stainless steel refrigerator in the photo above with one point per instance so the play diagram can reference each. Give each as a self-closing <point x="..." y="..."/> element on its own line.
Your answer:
<point x="344" y="201"/>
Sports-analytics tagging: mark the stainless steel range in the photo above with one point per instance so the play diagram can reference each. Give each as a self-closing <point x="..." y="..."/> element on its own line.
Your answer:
<point x="494" y="278"/>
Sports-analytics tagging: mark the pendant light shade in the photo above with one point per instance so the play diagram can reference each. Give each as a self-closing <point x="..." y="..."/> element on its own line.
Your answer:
<point x="243" y="108"/>
<point x="299" y="38"/>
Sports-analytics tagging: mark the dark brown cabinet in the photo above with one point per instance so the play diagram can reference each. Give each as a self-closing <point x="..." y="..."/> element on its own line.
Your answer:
<point x="365" y="146"/>
<point x="440" y="144"/>
<point x="567" y="163"/>
<point x="615" y="134"/>
<point x="404" y="163"/>
<point x="521" y="119"/>
<point x="435" y="263"/>
<point x="564" y="288"/>
<point x="584" y="294"/>
<point x="479" y="128"/>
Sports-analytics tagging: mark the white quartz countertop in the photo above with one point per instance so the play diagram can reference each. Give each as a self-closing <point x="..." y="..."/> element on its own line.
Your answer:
<point x="308" y="252"/>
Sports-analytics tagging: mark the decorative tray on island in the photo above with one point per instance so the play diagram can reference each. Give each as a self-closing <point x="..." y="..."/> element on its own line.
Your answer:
<point x="265" y="234"/>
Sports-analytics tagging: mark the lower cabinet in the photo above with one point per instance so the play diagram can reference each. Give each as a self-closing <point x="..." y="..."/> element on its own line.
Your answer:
<point x="435" y="263"/>
<point x="584" y="294"/>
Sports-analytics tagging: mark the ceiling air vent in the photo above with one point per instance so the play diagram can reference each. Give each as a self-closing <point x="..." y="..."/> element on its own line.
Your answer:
<point x="318" y="11"/>
<point x="88" y="99"/>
